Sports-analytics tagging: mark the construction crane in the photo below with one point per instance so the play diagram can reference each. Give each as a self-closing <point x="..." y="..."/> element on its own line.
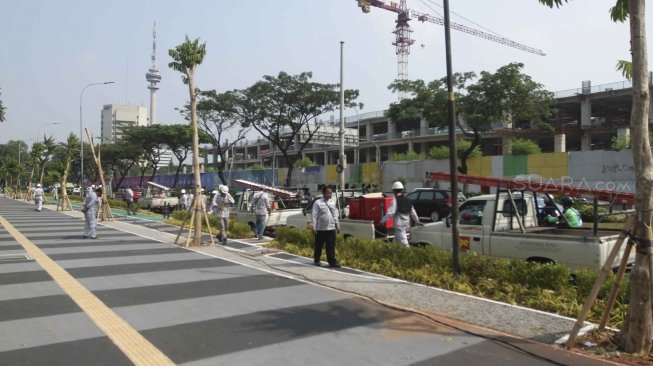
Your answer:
<point x="402" y="31"/>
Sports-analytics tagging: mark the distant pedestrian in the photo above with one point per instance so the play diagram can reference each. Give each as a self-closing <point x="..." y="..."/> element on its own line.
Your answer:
<point x="89" y="210"/>
<point x="401" y="210"/>
<point x="222" y="201"/>
<point x="129" y="199"/>
<point x="166" y="210"/>
<point x="325" y="226"/>
<point x="261" y="208"/>
<point x="190" y="202"/>
<point x="55" y="193"/>
<point x="183" y="200"/>
<point x="38" y="197"/>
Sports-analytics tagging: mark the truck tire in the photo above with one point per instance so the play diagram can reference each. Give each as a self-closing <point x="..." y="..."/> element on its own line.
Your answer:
<point x="435" y="216"/>
<point x="540" y="260"/>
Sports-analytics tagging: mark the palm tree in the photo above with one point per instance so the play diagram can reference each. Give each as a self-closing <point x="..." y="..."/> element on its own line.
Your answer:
<point x="636" y="335"/>
<point x="187" y="56"/>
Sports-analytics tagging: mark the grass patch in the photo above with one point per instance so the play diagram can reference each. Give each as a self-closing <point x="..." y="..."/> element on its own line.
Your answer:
<point x="236" y="229"/>
<point x="545" y="287"/>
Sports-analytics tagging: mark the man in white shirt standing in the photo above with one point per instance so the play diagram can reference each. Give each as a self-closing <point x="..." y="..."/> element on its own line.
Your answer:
<point x="221" y="202"/>
<point x="325" y="227"/>
<point x="38" y="197"/>
<point x="261" y="208"/>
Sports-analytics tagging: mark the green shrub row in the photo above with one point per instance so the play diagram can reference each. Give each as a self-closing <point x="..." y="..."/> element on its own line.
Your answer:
<point x="546" y="287"/>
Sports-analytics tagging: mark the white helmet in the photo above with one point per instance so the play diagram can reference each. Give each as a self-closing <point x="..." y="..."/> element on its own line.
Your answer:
<point x="397" y="185"/>
<point x="183" y="191"/>
<point x="224" y="189"/>
<point x="215" y="191"/>
<point x="38" y="185"/>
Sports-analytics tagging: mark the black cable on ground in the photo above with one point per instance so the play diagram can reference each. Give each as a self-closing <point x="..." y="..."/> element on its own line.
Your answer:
<point x="424" y="315"/>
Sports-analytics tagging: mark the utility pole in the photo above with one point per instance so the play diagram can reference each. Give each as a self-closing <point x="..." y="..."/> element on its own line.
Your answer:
<point x="453" y="155"/>
<point x="342" y="164"/>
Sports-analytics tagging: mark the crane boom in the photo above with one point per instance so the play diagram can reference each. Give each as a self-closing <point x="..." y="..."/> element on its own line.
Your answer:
<point x="423" y="17"/>
<point x="402" y="32"/>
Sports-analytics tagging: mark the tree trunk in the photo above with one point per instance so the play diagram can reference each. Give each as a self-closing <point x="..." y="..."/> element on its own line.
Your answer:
<point x="197" y="238"/>
<point x="637" y="331"/>
<point x="289" y="175"/>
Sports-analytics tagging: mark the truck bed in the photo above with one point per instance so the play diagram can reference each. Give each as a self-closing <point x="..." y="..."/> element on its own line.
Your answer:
<point x="551" y="230"/>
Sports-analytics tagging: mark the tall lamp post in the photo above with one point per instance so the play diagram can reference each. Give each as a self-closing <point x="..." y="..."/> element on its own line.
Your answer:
<point x="38" y="130"/>
<point x="81" y="136"/>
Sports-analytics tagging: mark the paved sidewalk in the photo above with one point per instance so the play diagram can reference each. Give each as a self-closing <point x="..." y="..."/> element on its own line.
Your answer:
<point x="240" y="304"/>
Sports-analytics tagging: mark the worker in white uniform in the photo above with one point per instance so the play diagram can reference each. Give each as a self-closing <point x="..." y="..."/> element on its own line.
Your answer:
<point x="89" y="213"/>
<point x="401" y="210"/>
<point x="261" y="208"/>
<point x="221" y="202"/>
<point x="38" y="197"/>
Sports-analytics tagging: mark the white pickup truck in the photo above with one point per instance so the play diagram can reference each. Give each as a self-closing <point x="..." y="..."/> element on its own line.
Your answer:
<point x="281" y="210"/>
<point x="577" y="248"/>
<point x="156" y="196"/>
<point x="363" y="229"/>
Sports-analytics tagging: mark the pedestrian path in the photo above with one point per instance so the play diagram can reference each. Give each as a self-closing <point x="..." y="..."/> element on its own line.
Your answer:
<point x="193" y="309"/>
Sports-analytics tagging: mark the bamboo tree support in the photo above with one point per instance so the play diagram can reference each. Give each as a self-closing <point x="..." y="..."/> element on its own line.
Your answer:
<point x="63" y="204"/>
<point x="600" y="280"/>
<point x="104" y="214"/>
<point x="191" y="231"/>
<point x="615" y="287"/>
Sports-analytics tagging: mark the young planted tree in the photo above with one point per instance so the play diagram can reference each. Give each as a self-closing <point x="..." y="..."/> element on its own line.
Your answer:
<point x="34" y="156"/>
<point x="636" y="334"/>
<point x="281" y="108"/>
<point x="46" y="155"/>
<point x="63" y="167"/>
<point x="187" y="56"/>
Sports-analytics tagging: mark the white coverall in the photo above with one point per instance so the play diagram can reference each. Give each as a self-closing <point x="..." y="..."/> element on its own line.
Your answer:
<point x="401" y="222"/>
<point x="38" y="198"/>
<point x="89" y="216"/>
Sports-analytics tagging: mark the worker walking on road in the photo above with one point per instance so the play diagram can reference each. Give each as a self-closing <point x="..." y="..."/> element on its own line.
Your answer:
<point x="221" y="202"/>
<point x="38" y="197"/>
<point x="325" y="227"/>
<point x="129" y="198"/>
<point x="401" y="210"/>
<point x="261" y="208"/>
<point x="89" y="213"/>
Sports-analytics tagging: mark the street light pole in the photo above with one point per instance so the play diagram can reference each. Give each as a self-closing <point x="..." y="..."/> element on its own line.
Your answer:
<point x="81" y="136"/>
<point x="38" y="130"/>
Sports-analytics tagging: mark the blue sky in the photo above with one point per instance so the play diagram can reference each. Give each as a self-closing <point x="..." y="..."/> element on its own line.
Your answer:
<point x="52" y="49"/>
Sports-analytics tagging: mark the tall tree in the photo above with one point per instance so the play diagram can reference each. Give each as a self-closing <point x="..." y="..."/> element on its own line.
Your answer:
<point x="179" y="140"/>
<point x="2" y="111"/>
<point x="218" y="122"/>
<point x="119" y="158"/>
<point x="281" y="108"/>
<point x="151" y="140"/>
<point x="505" y="96"/>
<point x="187" y="56"/>
<point x="636" y="335"/>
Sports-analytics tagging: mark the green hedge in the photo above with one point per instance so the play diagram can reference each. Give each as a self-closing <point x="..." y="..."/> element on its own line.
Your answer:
<point x="546" y="287"/>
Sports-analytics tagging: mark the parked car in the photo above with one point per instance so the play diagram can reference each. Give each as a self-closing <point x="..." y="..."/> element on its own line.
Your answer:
<point x="432" y="203"/>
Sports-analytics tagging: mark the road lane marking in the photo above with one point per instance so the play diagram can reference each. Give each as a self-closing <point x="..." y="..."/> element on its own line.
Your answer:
<point x="138" y="349"/>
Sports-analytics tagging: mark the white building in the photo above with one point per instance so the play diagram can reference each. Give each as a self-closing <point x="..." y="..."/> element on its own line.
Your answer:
<point x="116" y="117"/>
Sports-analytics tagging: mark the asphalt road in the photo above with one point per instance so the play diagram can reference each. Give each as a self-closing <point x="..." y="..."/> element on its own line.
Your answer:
<point x="126" y="298"/>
